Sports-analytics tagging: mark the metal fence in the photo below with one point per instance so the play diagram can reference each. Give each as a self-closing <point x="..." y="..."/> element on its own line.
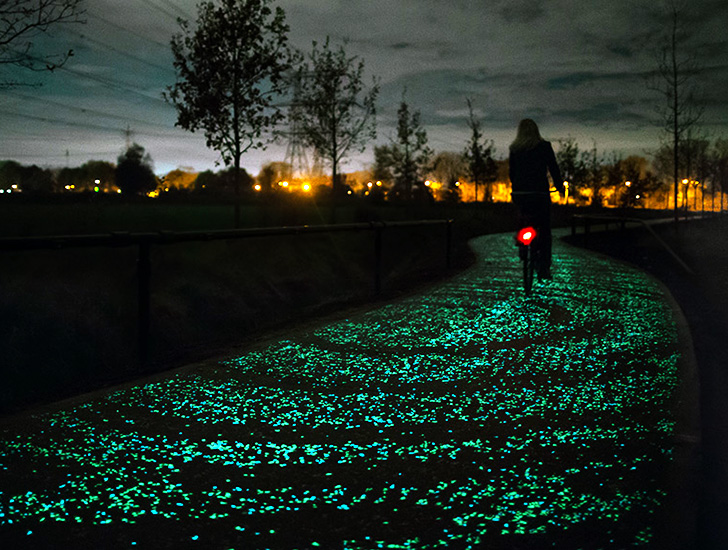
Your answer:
<point x="591" y="221"/>
<point x="145" y="241"/>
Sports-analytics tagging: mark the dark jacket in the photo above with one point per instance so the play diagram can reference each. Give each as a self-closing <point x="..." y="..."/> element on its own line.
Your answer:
<point x="527" y="169"/>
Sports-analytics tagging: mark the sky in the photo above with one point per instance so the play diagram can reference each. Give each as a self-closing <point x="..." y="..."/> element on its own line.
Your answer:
<point x="581" y="69"/>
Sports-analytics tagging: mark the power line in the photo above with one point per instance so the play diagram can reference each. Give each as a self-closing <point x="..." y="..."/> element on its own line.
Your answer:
<point x="160" y="9"/>
<point x="128" y="55"/>
<point x="89" y="126"/>
<point x="127" y="30"/>
<point x="83" y="110"/>
<point x="183" y="13"/>
<point x="114" y="85"/>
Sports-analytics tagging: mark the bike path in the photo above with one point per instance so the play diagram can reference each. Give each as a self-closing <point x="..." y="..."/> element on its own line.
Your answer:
<point x="465" y="416"/>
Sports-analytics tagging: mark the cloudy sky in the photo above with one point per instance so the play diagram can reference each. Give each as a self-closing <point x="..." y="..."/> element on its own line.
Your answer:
<point x="579" y="68"/>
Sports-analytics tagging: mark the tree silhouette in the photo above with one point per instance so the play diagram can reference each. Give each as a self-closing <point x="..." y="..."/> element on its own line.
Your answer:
<point x="134" y="171"/>
<point x="676" y="82"/>
<point x="84" y="177"/>
<point x="334" y="111"/>
<point x="229" y="70"/>
<point x="479" y="157"/>
<point x="23" y="20"/>
<point x="593" y="173"/>
<point x="571" y="162"/>
<point x="26" y="179"/>
<point x="719" y="169"/>
<point x="408" y="156"/>
<point x="449" y="167"/>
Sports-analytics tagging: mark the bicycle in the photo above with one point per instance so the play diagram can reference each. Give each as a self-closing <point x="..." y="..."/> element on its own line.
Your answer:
<point x="525" y="238"/>
<point x="530" y="217"/>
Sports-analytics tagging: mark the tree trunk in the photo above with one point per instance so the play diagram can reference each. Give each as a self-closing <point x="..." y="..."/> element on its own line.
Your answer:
<point x="236" y="183"/>
<point x="675" y="129"/>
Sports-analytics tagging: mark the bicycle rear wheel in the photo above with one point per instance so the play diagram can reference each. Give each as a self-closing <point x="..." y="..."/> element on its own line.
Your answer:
<point x="528" y="271"/>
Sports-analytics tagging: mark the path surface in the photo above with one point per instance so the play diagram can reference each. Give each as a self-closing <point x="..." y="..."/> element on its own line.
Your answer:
<point x="466" y="416"/>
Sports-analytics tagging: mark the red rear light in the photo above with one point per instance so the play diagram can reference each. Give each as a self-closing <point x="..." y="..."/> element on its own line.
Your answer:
<point x="526" y="235"/>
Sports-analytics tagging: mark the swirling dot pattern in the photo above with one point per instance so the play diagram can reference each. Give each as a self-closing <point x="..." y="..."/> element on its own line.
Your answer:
<point x="466" y="416"/>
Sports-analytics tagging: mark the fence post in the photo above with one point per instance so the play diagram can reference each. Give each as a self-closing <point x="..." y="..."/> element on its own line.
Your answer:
<point x="378" y="228"/>
<point x="144" y="275"/>
<point x="448" y="244"/>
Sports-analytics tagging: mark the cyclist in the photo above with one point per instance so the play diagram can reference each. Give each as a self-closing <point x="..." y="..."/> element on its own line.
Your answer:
<point x="530" y="158"/>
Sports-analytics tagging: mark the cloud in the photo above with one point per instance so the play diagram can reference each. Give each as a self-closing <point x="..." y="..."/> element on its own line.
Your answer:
<point x="523" y="11"/>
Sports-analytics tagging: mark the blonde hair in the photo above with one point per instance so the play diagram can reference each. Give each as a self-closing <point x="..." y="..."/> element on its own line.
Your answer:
<point x="527" y="137"/>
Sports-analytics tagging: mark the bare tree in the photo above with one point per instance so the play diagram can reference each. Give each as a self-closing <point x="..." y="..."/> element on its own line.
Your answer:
<point x="21" y="21"/>
<point x="677" y="82"/>
<point x="448" y="168"/>
<point x="335" y="112"/>
<point x="718" y="156"/>
<point x="594" y="176"/>
<point x="479" y="157"/>
<point x="407" y="157"/>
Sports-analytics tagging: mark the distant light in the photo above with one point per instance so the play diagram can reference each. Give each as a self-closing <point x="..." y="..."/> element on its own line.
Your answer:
<point x="349" y="192"/>
<point x="96" y="189"/>
<point x="283" y="183"/>
<point x="14" y="186"/>
<point x="118" y="191"/>
<point x="566" y="184"/>
<point x="370" y="185"/>
<point x="307" y="187"/>
<point x="628" y="183"/>
<point x="257" y="187"/>
<point x="685" y="181"/>
<point x="379" y="184"/>
<point x="637" y="197"/>
<point x="457" y="184"/>
<point x="428" y="183"/>
<point x="97" y="182"/>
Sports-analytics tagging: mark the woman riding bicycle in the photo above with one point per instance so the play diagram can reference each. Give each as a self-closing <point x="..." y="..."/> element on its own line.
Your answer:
<point x="531" y="157"/>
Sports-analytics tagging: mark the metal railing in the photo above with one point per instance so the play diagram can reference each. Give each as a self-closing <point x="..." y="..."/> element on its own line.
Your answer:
<point x="144" y="242"/>
<point x="588" y="220"/>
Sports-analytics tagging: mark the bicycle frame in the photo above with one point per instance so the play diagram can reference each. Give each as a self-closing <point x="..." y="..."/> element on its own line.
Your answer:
<point x="525" y="238"/>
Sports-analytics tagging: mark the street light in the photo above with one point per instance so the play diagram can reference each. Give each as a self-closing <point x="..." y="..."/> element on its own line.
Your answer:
<point x="566" y="187"/>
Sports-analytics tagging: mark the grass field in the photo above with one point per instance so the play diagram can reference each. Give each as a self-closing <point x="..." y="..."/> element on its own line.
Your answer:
<point x="68" y="316"/>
